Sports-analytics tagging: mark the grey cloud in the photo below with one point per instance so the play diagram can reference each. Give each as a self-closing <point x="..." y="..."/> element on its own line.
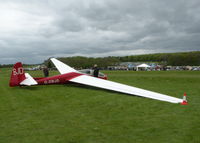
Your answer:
<point x="97" y="28"/>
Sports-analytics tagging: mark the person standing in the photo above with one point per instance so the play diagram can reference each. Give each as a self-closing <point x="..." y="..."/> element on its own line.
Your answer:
<point x="96" y="71"/>
<point x="46" y="71"/>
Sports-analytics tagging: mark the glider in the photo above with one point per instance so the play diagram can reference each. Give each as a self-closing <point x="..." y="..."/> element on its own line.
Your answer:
<point x="68" y="74"/>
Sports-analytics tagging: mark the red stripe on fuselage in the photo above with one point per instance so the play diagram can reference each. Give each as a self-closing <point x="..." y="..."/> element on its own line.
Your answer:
<point x="58" y="79"/>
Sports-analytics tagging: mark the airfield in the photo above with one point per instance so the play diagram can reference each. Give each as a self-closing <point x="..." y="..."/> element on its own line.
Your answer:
<point x="81" y="114"/>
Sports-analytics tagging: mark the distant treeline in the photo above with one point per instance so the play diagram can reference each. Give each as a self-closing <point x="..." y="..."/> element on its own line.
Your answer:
<point x="11" y="65"/>
<point x="173" y="59"/>
<point x="6" y="66"/>
<point x="86" y="62"/>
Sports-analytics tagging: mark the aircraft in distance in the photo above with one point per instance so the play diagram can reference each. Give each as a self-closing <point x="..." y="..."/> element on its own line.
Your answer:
<point x="70" y="75"/>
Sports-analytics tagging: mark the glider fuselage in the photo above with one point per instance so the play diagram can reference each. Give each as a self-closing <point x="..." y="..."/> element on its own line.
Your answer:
<point x="59" y="79"/>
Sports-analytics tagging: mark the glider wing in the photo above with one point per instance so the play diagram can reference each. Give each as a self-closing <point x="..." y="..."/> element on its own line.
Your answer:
<point x="110" y="85"/>
<point x="62" y="68"/>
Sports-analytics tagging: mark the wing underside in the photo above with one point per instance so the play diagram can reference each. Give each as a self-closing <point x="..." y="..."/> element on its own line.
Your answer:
<point x="110" y="85"/>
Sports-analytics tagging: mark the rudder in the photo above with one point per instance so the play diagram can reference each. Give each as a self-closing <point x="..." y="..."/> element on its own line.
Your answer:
<point x="17" y="75"/>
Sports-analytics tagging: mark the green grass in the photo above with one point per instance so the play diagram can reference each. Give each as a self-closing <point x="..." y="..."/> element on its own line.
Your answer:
<point x="81" y="114"/>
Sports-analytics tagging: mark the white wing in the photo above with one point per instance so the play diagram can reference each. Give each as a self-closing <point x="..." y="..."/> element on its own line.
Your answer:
<point x="62" y="68"/>
<point x="29" y="80"/>
<point x="110" y="85"/>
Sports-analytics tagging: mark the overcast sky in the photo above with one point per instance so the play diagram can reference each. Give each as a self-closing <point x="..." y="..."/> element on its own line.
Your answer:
<point x="33" y="30"/>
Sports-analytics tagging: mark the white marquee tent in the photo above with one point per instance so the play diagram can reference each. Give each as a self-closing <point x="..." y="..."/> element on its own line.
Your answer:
<point x="143" y="66"/>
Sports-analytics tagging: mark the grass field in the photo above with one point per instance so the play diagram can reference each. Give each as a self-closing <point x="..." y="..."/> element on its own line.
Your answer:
<point x="81" y="114"/>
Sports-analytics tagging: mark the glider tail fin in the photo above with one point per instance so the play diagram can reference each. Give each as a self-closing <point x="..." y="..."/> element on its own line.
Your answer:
<point x="17" y="75"/>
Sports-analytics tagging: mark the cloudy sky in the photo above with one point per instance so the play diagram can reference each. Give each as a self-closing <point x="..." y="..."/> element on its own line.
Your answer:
<point x="34" y="30"/>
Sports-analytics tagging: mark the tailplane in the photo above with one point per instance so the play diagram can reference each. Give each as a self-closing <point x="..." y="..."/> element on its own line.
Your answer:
<point x="18" y="77"/>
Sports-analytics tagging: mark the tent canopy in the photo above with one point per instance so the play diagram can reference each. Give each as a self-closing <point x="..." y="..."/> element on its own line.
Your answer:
<point x="143" y="66"/>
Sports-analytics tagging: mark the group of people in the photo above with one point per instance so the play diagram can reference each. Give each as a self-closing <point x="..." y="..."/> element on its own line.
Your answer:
<point x="95" y="71"/>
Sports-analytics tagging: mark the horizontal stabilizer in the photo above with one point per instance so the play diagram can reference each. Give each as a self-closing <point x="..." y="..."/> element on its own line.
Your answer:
<point x="28" y="81"/>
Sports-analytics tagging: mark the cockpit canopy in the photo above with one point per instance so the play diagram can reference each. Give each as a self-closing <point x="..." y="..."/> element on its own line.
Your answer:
<point x="90" y="72"/>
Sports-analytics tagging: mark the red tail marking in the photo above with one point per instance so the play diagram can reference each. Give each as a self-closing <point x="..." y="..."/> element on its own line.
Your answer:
<point x="17" y="75"/>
